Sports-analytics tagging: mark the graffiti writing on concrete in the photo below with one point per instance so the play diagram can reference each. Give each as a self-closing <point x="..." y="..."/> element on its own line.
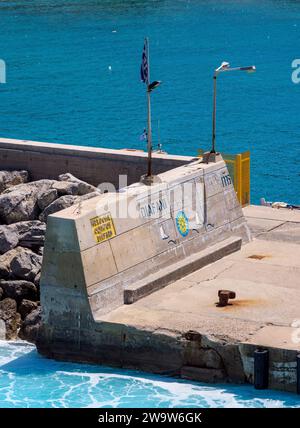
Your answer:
<point x="154" y="208"/>
<point x="226" y="180"/>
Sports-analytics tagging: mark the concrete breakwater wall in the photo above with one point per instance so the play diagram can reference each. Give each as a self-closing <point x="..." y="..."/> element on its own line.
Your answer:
<point x="93" y="165"/>
<point x="186" y="354"/>
<point x="95" y="261"/>
<point x="173" y="331"/>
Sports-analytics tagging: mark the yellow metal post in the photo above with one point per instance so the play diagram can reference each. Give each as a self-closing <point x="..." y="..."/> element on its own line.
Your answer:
<point x="239" y="170"/>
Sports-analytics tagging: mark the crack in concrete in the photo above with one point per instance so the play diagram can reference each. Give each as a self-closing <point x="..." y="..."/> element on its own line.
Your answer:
<point x="212" y="278"/>
<point x="265" y="232"/>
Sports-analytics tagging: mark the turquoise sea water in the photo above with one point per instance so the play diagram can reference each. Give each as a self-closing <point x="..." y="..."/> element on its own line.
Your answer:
<point x="73" y="77"/>
<point x="28" y="380"/>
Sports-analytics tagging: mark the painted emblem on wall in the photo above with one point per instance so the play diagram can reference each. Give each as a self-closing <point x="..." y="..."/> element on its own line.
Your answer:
<point x="182" y="223"/>
<point x="103" y="227"/>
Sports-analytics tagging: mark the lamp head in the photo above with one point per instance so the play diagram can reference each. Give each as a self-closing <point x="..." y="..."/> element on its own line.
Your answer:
<point x="252" y="69"/>
<point x="153" y="85"/>
<point x="225" y="65"/>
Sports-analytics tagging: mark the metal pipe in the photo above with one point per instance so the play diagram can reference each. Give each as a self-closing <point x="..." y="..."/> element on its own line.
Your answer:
<point x="298" y="373"/>
<point x="149" y="133"/>
<point x="261" y="368"/>
<point x="149" y="137"/>
<point x="213" y="148"/>
<point x="223" y="67"/>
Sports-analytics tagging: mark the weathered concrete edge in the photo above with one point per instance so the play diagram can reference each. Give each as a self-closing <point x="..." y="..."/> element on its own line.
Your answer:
<point x="189" y="355"/>
<point x="92" y="164"/>
<point x="87" y="151"/>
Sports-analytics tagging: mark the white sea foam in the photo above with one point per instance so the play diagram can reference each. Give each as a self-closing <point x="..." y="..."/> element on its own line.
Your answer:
<point x="33" y="381"/>
<point x="9" y="351"/>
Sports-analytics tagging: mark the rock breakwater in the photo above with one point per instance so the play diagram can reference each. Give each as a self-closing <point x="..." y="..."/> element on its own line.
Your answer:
<point x="24" y="208"/>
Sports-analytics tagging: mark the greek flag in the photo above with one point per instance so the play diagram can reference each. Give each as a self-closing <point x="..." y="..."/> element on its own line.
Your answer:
<point x="144" y="66"/>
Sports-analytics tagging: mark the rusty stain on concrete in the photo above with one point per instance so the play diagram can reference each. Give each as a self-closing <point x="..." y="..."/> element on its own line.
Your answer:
<point x="243" y="303"/>
<point x="259" y="256"/>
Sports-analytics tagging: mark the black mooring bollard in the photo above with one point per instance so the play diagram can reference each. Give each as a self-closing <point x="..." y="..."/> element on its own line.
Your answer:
<point x="298" y="373"/>
<point x="261" y="368"/>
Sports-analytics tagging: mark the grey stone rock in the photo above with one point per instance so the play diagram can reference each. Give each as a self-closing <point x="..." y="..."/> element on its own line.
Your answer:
<point x="66" y="188"/>
<point x="37" y="279"/>
<point x="19" y="290"/>
<point x="12" y="319"/>
<point x="20" y="203"/>
<point x="77" y="204"/>
<point x="9" y="238"/>
<point x="25" y="264"/>
<point x="47" y="198"/>
<point x="82" y="188"/>
<point x="8" y="308"/>
<point x="5" y="260"/>
<point x="90" y="195"/>
<point x="58" y="205"/>
<point x="1" y="293"/>
<point x="40" y="251"/>
<point x="29" y="234"/>
<point x="2" y="330"/>
<point x="26" y="307"/>
<point x="31" y="326"/>
<point x="4" y="269"/>
<point x="12" y="178"/>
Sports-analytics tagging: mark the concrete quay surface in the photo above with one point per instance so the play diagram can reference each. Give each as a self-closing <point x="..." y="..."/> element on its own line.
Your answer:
<point x="177" y="330"/>
<point x="265" y="275"/>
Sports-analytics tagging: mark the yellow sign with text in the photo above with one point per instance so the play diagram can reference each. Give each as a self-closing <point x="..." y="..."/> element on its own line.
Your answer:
<point x="103" y="227"/>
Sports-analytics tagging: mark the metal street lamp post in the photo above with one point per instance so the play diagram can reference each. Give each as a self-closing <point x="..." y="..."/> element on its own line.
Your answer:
<point x="223" y="67"/>
<point x="150" y="86"/>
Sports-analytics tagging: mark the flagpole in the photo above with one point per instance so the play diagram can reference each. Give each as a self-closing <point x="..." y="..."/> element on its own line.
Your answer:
<point x="149" y="133"/>
<point x="145" y="77"/>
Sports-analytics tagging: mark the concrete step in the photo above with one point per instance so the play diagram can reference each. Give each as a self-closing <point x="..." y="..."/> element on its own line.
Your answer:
<point x="178" y="270"/>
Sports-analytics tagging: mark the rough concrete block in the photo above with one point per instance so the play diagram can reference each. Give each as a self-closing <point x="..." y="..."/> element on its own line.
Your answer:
<point x="98" y="263"/>
<point x="133" y="247"/>
<point x="203" y="374"/>
<point x="106" y="299"/>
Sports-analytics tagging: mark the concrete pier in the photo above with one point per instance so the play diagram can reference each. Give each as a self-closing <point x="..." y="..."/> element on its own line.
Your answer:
<point x="179" y="330"/>
<point x="265" y="274"/>
<point x="142" y="293"/>
<point x="96" y="261"/>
